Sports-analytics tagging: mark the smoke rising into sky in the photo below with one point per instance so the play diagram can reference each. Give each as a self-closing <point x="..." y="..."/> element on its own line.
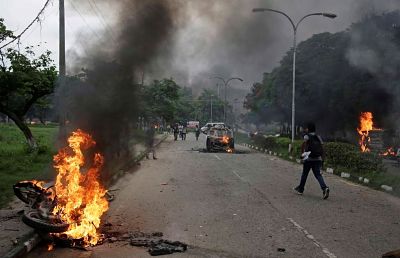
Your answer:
<point x="105" y="103"/>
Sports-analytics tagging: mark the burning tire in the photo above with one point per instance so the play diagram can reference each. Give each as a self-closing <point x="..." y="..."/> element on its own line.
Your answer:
<point x="34" y="220"/>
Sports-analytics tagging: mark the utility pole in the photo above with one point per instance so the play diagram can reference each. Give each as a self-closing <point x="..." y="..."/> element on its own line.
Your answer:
<point x="211" y="103"/>
<point x="62" y="42"/>
<point x="62" y="68"/>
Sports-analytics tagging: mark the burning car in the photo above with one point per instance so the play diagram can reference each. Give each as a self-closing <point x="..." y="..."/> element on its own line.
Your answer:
<point x="220" y="138"/>
<point x="208" y="126"/>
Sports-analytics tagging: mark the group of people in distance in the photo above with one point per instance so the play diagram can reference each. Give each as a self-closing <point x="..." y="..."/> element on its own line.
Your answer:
<point x="181" y="131"/>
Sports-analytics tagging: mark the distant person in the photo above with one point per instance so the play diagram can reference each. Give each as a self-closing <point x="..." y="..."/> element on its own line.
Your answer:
<point x="175" y="131"/>
<point x="150" y="134"/>
<point x="184" y="132"/>
<point x="312" y="156"/>
<point x="197" y="132"/>
<point x="180" y="131"/>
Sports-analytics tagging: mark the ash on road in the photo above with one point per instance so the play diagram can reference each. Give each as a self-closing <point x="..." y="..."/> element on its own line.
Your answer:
<point x="227" y="205"/>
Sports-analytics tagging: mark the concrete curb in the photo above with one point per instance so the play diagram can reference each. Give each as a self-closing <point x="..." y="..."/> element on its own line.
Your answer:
<point x="139" y="157"/>
<point x="28" y="242"/>
<point x="386" y="188"/>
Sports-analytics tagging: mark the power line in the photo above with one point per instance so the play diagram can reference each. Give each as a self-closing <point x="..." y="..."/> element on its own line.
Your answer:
<point x="30" y="24"/>
<point x="102" y="19"/>
<point x="84" y="20"/>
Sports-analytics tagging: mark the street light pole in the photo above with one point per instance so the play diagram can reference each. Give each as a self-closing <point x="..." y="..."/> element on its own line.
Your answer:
<point x="295" y="27"/>
<point x="226" y="83"/>
<point x="211" y="104"/>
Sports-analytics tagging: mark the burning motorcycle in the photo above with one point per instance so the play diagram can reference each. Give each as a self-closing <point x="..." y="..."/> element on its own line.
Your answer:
<point x="74" y="203"/>
<point x="42" y="200"/>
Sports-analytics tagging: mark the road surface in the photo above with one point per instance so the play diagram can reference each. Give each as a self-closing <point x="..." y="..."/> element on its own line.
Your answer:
<point x="242" y="205"/>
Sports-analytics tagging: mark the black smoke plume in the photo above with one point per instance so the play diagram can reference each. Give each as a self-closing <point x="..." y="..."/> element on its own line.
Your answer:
<point x="104" y="100"/>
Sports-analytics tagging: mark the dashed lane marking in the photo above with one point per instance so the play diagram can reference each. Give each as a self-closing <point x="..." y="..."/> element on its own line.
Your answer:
<point x="236" y="174"/>
<point x="312" y="238"/>
<point x="218" y="158"/>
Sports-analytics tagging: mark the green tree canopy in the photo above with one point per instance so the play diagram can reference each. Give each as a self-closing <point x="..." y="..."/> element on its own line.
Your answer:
<point x="24" y="80"/>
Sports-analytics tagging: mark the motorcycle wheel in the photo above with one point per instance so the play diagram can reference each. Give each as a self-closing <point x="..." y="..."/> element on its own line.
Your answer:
<point x="33" y="219"/>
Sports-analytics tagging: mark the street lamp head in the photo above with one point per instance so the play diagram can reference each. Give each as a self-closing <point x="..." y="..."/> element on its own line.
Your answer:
<point x="255" y="10"/>
<point x="329" y="15"/>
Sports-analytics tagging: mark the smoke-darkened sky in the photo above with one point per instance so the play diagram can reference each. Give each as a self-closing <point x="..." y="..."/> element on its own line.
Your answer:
<point x="210" y="37"/>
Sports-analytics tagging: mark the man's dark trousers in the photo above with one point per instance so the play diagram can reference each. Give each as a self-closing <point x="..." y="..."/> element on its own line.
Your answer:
<point x="316" y="168"/>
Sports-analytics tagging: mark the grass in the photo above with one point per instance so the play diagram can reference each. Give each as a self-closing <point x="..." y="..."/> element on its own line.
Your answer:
<point x="18" y="163"/>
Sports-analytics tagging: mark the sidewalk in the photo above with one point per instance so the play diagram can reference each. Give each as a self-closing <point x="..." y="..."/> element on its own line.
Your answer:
<point x="13" y="232"/>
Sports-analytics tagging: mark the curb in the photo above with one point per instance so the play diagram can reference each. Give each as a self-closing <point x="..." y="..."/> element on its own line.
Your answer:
<point x="386" y="188"/>
<point x="28" y="242"/>
<point x="139" y="157"/>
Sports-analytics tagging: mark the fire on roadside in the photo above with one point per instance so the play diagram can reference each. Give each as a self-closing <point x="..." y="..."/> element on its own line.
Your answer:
<point x="80" y="196"/>
<point x="366" y="125"/>
<point x="389" y="152"/>
<point x="50" y="247"/>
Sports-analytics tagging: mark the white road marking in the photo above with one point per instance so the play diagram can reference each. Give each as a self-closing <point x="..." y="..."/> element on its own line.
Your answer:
<point x="218" y="158"/>
<point x="236" y="174"/>
<point x="312" y="238"/>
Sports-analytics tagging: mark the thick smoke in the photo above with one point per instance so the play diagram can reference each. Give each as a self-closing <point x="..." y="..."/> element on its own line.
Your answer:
<point x="191" y="40"/>
<point x="105" y="103"/>
<point x="224" y="37"/>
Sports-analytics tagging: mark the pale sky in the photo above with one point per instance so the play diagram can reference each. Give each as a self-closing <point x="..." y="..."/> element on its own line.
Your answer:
<point x="19" y="13"/>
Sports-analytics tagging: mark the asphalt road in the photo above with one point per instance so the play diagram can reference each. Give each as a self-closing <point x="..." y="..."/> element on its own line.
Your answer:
<point x="242" y="205"/>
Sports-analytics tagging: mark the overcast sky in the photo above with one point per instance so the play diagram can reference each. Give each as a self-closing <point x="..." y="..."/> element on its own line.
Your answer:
<point x="214" y="37"/>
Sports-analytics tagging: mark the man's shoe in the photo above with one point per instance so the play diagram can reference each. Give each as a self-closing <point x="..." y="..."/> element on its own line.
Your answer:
<point x="297" y="190"/>
<point x="325" y="193"/>
<point x="154" y="158"/>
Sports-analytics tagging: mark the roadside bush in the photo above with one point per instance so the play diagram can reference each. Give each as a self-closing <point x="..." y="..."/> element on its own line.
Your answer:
<point x="340" y="156"/>
<point x="348" y="156"/>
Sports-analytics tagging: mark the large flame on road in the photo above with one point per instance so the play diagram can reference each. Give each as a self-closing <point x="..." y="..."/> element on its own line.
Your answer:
<point x="366" y="125"/>
<point x="80" y="196"/>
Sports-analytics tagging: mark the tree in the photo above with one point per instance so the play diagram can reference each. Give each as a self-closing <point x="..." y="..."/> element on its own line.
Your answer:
<point x="338" y="76"/>
<point x="24" y="80"/>
<point x="161" y="98"/>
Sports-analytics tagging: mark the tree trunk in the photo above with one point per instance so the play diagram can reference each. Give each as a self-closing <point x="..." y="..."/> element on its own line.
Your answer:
<point x="24" y="128"/>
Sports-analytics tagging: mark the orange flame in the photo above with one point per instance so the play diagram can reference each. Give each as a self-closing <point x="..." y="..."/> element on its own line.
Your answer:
<point x="366" y="125"/>
<point x="389" y="152"/>
<point x="225" y="139"/>
<point x="80" y="197"/>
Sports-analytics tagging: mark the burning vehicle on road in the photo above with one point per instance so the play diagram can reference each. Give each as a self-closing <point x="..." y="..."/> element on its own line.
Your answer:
<point x="220" y="138"/>
<point x="208" y="126"/>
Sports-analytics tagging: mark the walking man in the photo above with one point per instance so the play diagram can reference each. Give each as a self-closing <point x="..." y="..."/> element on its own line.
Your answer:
<point x="184" y="132"/>
<point x="176" y="131"/>
<point x="313" y="155"/>
<point x="197" y="132"/>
